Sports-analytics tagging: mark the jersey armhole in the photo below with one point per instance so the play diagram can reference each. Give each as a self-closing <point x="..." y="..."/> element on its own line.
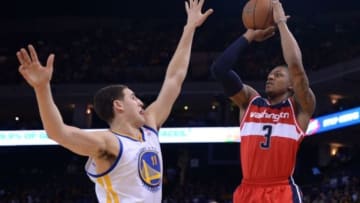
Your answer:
<point x="247" y="109"/>
<point x="293" y="109"/>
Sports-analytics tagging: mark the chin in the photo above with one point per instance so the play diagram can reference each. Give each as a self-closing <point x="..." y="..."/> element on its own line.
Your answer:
<point x="269" y="93"/>
<point x="141" y="121"/>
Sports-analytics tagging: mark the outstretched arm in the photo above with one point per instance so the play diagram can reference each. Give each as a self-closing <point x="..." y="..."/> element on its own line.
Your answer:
<point x="304" y="96"/>
<point x="159" y="110"/>
<point x="38" y="76"/>
<point x="223" y="68"/>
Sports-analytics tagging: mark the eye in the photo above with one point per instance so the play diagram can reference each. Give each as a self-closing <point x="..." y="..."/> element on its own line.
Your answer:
<point x="277" y="74"/>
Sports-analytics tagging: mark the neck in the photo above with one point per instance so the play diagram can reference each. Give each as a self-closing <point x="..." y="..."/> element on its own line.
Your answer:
<point x="126" y="130"/>
<point x="278" y="99"/>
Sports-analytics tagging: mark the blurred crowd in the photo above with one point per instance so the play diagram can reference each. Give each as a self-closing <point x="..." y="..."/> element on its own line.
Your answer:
<point x="139" y="50"/>
<point x="54" y="175"/>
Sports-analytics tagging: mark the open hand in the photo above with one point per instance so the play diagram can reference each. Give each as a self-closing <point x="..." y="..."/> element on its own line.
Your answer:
<point x="278" y="12"/>
<point x="195" y="17"/>
<point x="31" y="69"/>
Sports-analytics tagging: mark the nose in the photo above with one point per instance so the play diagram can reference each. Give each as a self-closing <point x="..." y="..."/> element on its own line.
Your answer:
<point x="140" y="103"/>
<point x="270" y="77"/>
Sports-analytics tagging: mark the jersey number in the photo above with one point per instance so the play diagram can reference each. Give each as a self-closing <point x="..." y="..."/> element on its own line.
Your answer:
<point x="268" y="131"/>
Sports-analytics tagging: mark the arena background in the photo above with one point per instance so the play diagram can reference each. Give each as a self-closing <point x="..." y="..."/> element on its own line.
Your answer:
<point x="104" y="42"/>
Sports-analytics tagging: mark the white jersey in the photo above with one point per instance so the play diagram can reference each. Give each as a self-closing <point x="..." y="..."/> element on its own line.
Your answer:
<point x="135" y="176"/>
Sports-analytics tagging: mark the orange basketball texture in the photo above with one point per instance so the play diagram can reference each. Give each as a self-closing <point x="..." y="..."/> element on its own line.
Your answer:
<point x="257" y="14"/>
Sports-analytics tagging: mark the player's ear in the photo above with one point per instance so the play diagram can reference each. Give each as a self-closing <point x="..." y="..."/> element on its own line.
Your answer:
<point x="118" y="105"/>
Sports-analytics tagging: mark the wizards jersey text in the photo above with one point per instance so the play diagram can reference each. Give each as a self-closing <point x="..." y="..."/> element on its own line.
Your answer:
<point x="270" y="137"/>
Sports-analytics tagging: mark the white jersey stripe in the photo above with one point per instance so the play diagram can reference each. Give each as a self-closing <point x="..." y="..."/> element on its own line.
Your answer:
<point x="278" y="130"/>
<point x="298" y="193"/>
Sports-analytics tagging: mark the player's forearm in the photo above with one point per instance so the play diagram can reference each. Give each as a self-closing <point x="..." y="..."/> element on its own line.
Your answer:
<point x="222" y="68"/>
<point x="49" y="113"/>
<point x="290" y="47"/>
<point x="179" y="63"/>
<point x="228" y="59"/>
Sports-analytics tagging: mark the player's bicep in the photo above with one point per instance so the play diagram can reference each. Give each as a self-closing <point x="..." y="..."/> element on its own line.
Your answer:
<point x="159" y="110"/>
<point x="304" y="96"/>
<point x="82" y="142"/>
<point x="307" y="101"/>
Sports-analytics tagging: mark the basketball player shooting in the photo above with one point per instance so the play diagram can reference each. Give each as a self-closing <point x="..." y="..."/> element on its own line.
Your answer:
<point x="271" y="128"/>
<point x="125" y="161"/>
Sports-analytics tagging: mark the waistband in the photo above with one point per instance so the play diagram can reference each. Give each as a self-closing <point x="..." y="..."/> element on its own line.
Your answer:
<point x="266" y="182"/>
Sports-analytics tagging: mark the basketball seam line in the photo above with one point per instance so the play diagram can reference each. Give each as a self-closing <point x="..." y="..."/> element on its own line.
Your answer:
<point x="254" y="16"/>
<point x="269" y="12"/>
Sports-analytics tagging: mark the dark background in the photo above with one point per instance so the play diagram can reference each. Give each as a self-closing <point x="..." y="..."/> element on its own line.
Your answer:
<point x="327" y="31"/>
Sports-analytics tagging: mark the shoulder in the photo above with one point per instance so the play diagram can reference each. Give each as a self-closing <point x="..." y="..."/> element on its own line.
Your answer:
<point x="243" y="98"/>
<point x="106" y="136"/>
<point x="151" y="129"/>
<point x="150" y="122"/>
<point x="100" y="133"/>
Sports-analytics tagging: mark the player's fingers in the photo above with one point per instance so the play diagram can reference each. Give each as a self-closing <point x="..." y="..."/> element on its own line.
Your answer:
<point x="25" y="56"/>
<point x="191" y="3"/>
<point x="187" y="7"/>
<point x="275" y="1"/>
<point x="271" y="29"/>
<point x="201" y="3"/>
<point x="208" y="12"/>
<point x="50" y="61"/>
<point x="21" y="69"/>
<point x="276" y="4"/>
<point x="20" y="57"/>
<point x="33" y="53"/>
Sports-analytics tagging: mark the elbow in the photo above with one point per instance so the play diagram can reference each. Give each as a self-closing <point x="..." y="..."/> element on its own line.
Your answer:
<point x="56" y="133"/>
<point x="295" y="60"/>
<point x="296" y="65"/>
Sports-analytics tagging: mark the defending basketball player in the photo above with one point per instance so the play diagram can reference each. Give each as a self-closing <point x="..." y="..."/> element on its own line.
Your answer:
<point x="271" y="128"/>
<point x="125" y="161"/>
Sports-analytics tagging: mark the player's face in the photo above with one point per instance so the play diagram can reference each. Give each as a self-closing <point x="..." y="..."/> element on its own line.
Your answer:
<point x="133" y="108"/>
<point x="278" y="81"/>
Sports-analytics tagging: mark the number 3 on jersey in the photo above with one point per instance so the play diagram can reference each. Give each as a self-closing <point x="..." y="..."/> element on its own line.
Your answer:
<point x="268" y="131"/>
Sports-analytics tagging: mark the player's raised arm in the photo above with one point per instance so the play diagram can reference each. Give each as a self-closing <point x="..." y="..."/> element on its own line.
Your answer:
<point x="293" y="57"/>
<point x="176" y="72"/>
<point x="39" y="77"/>
<point x="223" y="67"/>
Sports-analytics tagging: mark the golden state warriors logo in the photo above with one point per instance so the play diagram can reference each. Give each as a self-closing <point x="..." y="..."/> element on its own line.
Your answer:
<point x="150" y="169"/>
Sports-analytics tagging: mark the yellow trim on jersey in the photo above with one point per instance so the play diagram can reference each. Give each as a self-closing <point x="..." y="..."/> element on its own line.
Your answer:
<point x="111" y="196"/>
<point x="110" y="189"/>
<point x="136" y="137"/>
<point x="101" y="182"/>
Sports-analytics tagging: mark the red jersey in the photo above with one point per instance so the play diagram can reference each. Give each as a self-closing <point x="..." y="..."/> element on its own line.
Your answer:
<point x="270" y="138"/>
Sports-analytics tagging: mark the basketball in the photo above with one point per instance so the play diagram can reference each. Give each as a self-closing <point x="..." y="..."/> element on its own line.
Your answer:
<point x="257" y="14"/>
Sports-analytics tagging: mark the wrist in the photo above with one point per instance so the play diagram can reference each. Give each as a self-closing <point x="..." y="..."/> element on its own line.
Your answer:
<point x="281" y="21"/>
<point x="249" y="35"/>
<point x="41" y="88"/>
<point x="190" y="27"/>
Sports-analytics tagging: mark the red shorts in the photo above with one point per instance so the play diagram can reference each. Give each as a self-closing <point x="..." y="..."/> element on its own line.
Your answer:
<point x="273" y="193"/>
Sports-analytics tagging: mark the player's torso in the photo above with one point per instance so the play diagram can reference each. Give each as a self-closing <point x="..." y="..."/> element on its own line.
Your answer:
<point x="136" y="176"/>
<point x="270" y="139"/>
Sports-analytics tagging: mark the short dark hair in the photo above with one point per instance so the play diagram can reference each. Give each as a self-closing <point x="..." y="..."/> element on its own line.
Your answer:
<point x="103" y="101"/>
